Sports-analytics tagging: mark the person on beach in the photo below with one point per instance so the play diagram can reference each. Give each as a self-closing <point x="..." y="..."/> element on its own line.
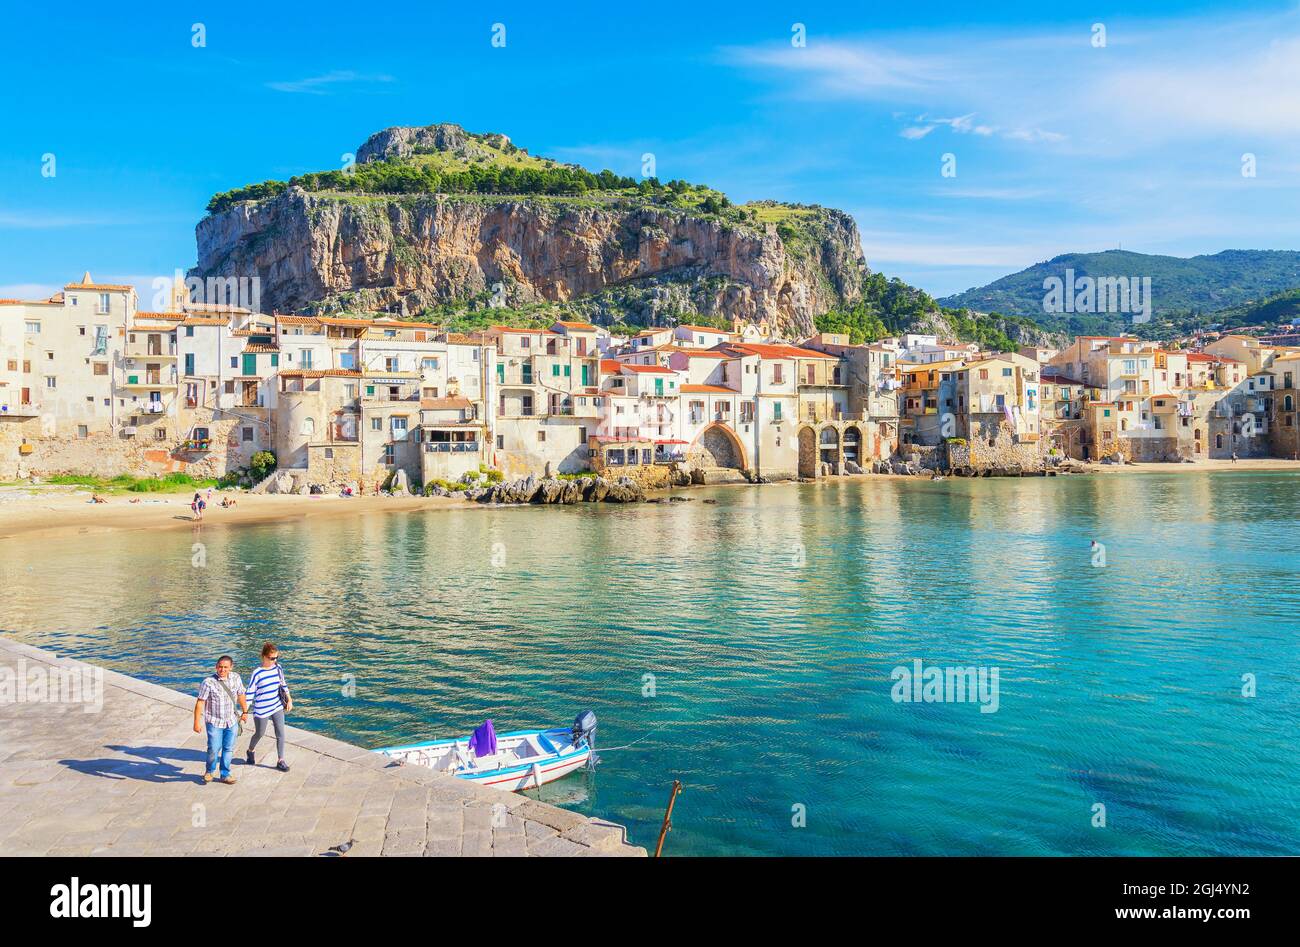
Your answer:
<point x="197" y="505"/>
<point x="271" y="701"/>
<point x="215" y="709"/>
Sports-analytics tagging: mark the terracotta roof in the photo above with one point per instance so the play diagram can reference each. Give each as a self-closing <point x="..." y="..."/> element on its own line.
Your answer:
<point x="340" y="321"/>
<point x="644" y="369"/>
<point x="523" y="331"/>
<point x="454" y="403"/>
<point x="460" y="338"/>
<point x="88" y="283"/>
<point x="776" y="350"/>
<point x="173" y="316"/>
<point x="610" y="366"/>
<point x="707" y="389"/>
<point x="707" y="329"/>
<point x="204" y="321"/>
<point x="581" y="326"/>
<point x="261" y="347"/>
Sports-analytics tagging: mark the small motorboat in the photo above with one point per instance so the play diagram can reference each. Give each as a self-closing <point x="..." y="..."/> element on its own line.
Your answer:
<point x="521" y="760"/>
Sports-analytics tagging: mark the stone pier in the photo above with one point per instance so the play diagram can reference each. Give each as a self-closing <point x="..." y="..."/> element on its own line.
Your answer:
<point x="126" y="779"/>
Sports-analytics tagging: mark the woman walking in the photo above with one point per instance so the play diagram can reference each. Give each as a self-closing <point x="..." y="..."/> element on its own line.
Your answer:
<point x="269" y="696"/>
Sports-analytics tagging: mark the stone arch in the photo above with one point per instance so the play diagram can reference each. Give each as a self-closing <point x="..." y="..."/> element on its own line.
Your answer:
<point x="828" y="447"/>
<point x="852" y="442"/>
<point x="808" y="466"/>
<point x="718" y="446"/>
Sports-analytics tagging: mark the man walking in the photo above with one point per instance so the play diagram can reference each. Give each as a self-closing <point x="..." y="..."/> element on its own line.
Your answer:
<point x="215" y="708"/>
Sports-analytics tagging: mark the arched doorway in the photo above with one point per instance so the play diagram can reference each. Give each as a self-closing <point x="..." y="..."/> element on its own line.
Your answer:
<point x="717" y="446"/>
<point x="807" y="452"/>
<point x="829" y="443"/>
<point x="852" y="445"/>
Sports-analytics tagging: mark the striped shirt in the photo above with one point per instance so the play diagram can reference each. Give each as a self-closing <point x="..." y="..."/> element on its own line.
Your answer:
<point x="264" y="691"/>
<point x="218" y="708"/>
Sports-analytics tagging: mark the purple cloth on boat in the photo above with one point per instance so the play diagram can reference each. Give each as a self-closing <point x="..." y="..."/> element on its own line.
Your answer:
<point x="484" y="740"/>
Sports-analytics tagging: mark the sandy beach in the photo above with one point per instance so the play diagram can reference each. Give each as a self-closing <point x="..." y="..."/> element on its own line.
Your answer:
<point x="44" y="510"/>
<point x="52" y="511"/>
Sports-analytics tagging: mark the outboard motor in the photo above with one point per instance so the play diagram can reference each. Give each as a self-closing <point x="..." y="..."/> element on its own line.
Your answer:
<point x="584" y="727"/>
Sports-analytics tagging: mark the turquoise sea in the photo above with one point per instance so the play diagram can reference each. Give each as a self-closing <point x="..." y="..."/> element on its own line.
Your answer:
<point x="746" y="648"/>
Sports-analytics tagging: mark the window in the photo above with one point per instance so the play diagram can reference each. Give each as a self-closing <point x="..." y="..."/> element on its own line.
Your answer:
<point x="275" y="359"/>
<point x="376" y="424"/>
<point x="13" y="364"/>
<point x="101" y="368"/>
<point x="82" y="431"/>
<point x="81" y="330"/>
<point x="1006" y="373"/>
<point x="541" y="437"/>
<point x="746" y="412"/>
<point x="32" y="328"/>
<point x="984" y="374"/>
<point x="103" y="302"/>
<point x="776" y="411"/>
<point x="501" y="442"/>
<point x="189" y="332"/>
<point x="778" y="376"/>
<point x="304" y="359"/>
<point x="246" y="435"/>
<point x="308" y="427"/>
<point x="234" y="361"/>
<point x="555" y="371"/>
<point x="50" y="382"/>
<point x="397" y="424"/>
<point x="329" y="453"/>
<point x="525" y="342"/>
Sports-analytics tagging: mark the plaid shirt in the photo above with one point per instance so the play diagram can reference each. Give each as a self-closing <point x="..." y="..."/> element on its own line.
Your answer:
<point x="218" y="708"/>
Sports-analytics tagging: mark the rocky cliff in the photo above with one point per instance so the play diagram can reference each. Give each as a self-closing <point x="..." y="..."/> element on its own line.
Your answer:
<point x="608" y="255"/>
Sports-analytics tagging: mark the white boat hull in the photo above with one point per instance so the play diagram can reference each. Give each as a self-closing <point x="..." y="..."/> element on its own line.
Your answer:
<point x="524" y="760"/>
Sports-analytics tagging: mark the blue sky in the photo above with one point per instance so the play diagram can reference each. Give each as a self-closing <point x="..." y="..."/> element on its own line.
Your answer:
<point x="1059" y="145"/>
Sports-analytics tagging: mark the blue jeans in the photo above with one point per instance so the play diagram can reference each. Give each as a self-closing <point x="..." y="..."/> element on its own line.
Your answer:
<point x="220" y="740"/>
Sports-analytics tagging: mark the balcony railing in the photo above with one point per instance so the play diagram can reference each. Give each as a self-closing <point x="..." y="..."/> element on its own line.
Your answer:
<point x="451" y="447"/>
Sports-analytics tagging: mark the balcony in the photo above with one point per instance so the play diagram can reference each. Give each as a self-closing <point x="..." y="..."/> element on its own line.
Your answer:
<point x="452" y="447"/>
<point x="19" y="410"/>
<point x="149" y="380"/>
<point x="199" y="445"/>
<point x="139" y="349"/>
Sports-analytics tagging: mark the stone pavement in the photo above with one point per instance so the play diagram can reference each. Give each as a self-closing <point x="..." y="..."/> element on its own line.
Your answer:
<point x="127" y="780"/>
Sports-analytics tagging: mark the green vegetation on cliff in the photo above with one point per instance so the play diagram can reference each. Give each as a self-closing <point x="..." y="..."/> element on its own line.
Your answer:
<point x="891" y="307"/>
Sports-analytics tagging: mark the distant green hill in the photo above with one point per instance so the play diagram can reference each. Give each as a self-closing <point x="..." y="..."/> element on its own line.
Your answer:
<point x="1280" y="308"/>
<point x="1185" y="292"/>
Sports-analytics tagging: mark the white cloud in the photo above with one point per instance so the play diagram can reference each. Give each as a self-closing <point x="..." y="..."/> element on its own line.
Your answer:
<point x="1154" y="82"/>
<point x="27" y="291"/>
<point x="322" y="85"/>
